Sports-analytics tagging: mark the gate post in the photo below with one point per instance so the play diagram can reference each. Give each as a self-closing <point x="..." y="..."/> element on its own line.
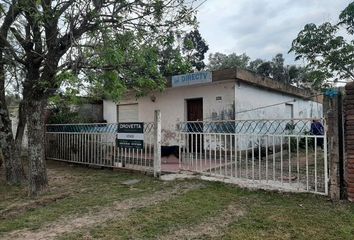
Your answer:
<point x="157" y="143"/>
<point x="332" y="112"/>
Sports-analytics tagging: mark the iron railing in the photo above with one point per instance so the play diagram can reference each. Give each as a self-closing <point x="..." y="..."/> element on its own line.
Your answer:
<point x="95" y="144"/>
<point x="276" y="154"/>
<point x="264" y="126"/>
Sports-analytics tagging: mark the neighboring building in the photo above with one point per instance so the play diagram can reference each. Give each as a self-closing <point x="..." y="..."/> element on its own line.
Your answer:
<point x="85" y="111"/>
<point x="89" y="109"/>
<point x="221" y="95"/>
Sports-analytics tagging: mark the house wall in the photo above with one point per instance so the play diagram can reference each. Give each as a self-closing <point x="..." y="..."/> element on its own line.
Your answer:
<point x="250" y="97"/>
<point x="220" y="102"/>
<point x="109" y="111"/>
<point x="172" y="104"/>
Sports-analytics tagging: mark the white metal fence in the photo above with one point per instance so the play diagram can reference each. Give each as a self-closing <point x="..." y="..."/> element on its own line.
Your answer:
<point x="95" y="144"/>
<point x="280" y="154"/>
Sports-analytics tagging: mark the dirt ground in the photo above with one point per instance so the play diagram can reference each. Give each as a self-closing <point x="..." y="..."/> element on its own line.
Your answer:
<point x="84" y="203"/>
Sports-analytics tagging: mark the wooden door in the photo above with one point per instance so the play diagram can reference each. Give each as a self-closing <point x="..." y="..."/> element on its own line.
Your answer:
<point x="195" y="109"/>
<point x="195" y="113"/>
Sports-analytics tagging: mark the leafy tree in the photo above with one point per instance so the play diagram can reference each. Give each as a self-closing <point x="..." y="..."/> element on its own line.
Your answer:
<point x="119" y="63"/>
<point x="255" y="64"/>
<point x="279" y="71"/>
<point x="53" y="40"/>
<point x="302" y="77"/>
<point x="327" y="49"/>
<point x="64" y="108"/>
<point x="218" y="61"/>
<point x="171" y="60"/>
<point x="265" y="69"/>
<point x="194" y="46"/>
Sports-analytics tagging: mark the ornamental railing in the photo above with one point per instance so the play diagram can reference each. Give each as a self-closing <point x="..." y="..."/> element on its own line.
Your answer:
<point x="256" y="126"/>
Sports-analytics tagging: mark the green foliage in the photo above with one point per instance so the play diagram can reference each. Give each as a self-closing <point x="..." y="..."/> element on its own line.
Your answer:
<point x="63" y="108"/>
<point x="276" y="69"/>
<point x="181" y="53"/>
<point x="265" y="69"/>
<point x="105" y="49"/>
<point x="127" y="62"/>
<point x="123" y="62"/>
<point x="195" y="47"/>
<point x="218" y="61"/>
<point x="280" y="72"/>
<point x="326" y="49"/>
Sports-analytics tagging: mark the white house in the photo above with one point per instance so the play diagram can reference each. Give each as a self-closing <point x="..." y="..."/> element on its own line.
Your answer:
<point x="219" y="95"/>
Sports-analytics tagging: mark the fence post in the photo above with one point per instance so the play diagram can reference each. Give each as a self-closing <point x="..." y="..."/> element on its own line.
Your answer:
<point x="157" y="143"/>
<point x="331" y="112"/>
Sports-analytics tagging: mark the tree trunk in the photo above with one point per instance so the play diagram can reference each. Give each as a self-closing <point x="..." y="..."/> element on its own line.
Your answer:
<point x="21" y="125"/>
<point x="12" y="160"/>
<point x="37" y="177"/>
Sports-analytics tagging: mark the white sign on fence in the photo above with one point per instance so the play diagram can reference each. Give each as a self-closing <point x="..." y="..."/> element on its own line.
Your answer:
<point x="191" y="79"/>
<point x="131" y="135"/>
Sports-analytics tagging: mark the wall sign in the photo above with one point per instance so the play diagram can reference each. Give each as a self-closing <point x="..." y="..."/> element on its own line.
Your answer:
<point x="191" y="78"/>
<point x="130" y="135"/>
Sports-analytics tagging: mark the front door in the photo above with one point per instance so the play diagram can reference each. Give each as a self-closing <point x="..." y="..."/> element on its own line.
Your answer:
<point x="195" y="114"/>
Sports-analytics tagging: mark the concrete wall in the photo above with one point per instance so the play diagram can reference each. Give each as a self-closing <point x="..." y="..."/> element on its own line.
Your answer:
<point x="109" y="111"/>
<point x="220" y="101"/>
<point x="172" y="104"/>
<point x="250" y="97"/>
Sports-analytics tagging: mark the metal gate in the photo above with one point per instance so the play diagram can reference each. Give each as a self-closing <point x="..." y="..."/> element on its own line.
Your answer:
<point x="273" y="154"/>
<point x="95" y="144"/>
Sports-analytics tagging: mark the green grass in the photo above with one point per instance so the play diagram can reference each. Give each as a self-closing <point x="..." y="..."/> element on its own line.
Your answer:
<point x="291" y="216"/>
<point x="91" y="190"/>
<point x="182" y="211"/>
<point x="267" y="215"/>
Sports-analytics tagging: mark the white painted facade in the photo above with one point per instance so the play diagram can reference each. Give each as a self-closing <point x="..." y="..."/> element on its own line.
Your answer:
<point x="229" y="99"/>
<point x="249" y="97"/>
<point x="172" y="104"/>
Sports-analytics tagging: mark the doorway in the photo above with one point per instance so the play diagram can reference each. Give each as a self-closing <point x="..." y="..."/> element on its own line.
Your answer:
<point x="194" y="115"/>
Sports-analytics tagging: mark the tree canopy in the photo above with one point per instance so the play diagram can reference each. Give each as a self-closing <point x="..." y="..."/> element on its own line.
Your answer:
<point x="111" y="45"/>
<point x="276" y="69"/>
<point x="219" y="61"/>
<point x="328" y="48"/>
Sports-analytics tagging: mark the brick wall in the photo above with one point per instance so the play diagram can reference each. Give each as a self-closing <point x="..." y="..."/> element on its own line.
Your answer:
<point x="349" y="138"/>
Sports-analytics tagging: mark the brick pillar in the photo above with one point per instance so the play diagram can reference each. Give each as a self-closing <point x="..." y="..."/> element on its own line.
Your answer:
<point x="349" y="139"/>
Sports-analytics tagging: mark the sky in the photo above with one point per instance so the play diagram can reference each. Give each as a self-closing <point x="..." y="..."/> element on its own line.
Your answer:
<point x="261" y="28"/>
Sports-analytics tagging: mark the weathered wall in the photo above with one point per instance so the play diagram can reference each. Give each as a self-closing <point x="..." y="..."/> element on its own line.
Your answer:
<point x="219" y="102"/>
<point x="171" y="103"/>
<point x="251" y="97"/>
<point x="109" y="111"/>
<point x="349" y="138"/>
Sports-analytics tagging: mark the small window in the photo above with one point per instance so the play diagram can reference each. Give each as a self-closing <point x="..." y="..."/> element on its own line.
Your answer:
<point x="128" y="113"/>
